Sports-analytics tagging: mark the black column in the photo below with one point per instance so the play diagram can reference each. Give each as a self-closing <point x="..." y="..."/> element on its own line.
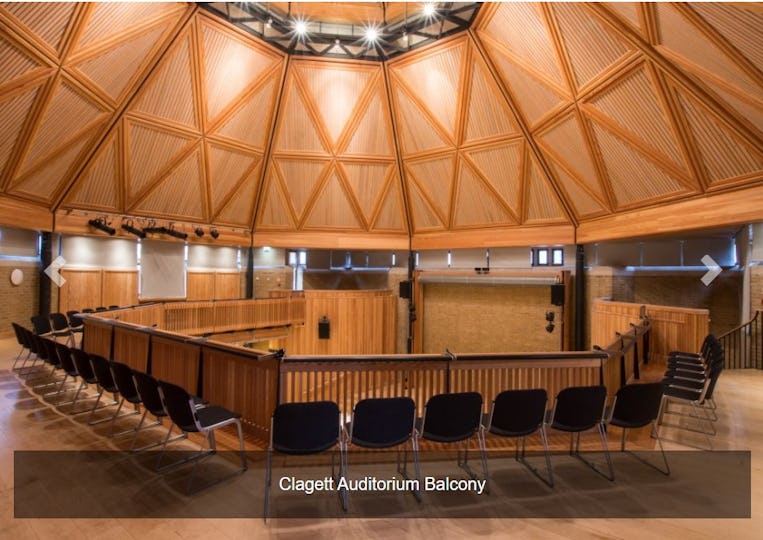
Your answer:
<point x="46" y="258"/>
<point x="411" y="305"/>
<point x="579" y="297"/>
<point x="250" y="273"/>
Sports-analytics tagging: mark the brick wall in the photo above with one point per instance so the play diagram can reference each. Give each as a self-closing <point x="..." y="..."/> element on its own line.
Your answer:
<point x="395" y="276"/>
<point x="19" y="303"/>
<point x="270" y="279"/>
<point x="480" y="318"/>
<point x="756" y="289"/>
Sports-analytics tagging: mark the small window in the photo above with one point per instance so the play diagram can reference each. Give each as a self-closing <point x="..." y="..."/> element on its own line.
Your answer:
<point x="541" y="257"/>
<point x="557" y="256"/>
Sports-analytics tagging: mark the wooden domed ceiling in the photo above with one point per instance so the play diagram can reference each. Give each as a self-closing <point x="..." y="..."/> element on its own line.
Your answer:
<point x="543" y="123"/>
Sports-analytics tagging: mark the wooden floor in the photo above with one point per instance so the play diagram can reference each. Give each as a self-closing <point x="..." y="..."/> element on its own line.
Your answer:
<point x="26" y="423"/>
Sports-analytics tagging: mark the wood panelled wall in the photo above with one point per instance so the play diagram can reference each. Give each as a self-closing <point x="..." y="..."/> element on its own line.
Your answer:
<point x="213" y="285"/>
<point x="673" y="328"/>
<point x="362" y="322"/>
<point x="93" y="287"/>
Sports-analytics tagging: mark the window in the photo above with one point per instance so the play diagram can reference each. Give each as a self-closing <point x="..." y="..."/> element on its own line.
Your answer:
<point x="539" y="256"/>
<point x="557" y="256"/>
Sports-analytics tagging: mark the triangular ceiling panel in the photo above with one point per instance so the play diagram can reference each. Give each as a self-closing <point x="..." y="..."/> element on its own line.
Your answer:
<point x="488" y="114"/>
<point x="105" y="17"/>
<point x="725" y="155"/>
<point x="98" y="186"/>
<point x="542" y="203"/>
<point x="335" y="90"/>
<point x="522" y="29"/>
<point x="297" y="131"/>
<point x="372" y="136"/>
<point x="16" y="61"/>
<point x="435" y="177"/>
<point x="14" y="112"/>
<point x="179" y="195"/>
<point x="240" y="207"/>
<point x="332" y="208"/>
<point x="231" y="65"/>
<point x="476" y="204"/>
<point x="423" y="216"/>
<point x="634" y="178"/>
<point x="68" y="113"/>
<point x="113" y="69"/>
<point x="583" y="203"/>
<point x="591" y="51"/>
<point x="502" y="167"/>
<point x="250" y="123"/>
<point x="367" y="181"/>
<point x="300" y="179"/>
<point x="48" y="21"/>
<point x="566" y="141"/>
<point x="150" y="152"/>
<point x="681" y="37"/>
<point x="43" y="182"/>
<point x="415" y="131"/>
<point x="750" y="107"/>
<point x="633" y="105"/>
<point x="536" y="99"/>
<point x="628" y="12"/>
<point x="274" y="213"/>
<point x="169" y="92"/>
<point x="435" y="80"/>
<point x="738" y="23"/>
<point x="227" y="167"/>
<point x="391" y="215"/>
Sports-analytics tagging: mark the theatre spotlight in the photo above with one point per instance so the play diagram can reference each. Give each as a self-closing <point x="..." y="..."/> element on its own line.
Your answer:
<point x="199" y="232"/>
<point x="214" y="233"/>
<point x="177" y="234"/>
<point x="128" y="226"/>
<point x="153" y="229"/>
<point x="101" y="225"/>
<point x="550" y="316"/>
<point x="550" y="327"/>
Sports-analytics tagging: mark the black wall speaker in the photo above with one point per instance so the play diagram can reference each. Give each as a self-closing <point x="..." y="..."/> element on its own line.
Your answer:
<point x="406" y="289"/>
<point x="557" y="294"/>
<point x="324" y="328"/>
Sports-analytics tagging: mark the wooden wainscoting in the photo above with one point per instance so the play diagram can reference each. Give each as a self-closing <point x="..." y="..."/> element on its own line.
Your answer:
<point x="213" y="285"/>
<point x="93" y="287"/>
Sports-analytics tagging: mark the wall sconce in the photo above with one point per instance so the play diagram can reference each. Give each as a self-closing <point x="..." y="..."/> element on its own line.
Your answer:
<point x="324" y="328"/>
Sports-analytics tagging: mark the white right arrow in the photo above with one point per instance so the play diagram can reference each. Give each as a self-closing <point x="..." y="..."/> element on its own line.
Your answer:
<point x="712" y="270"/>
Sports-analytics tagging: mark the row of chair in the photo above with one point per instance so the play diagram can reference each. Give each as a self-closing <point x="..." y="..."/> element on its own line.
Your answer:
<point x="126" y="385"/>
<point x="690" y="380"/>
<point x="313" y="427"/>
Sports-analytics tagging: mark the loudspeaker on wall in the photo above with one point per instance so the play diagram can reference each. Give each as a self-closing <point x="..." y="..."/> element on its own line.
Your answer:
<point x="406" y="289"/>
<point x="557" y="294"/>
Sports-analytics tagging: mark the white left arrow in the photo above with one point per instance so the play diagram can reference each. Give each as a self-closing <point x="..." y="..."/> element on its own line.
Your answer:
<point x="53" y="273"/>
<point x="712" y="270"/>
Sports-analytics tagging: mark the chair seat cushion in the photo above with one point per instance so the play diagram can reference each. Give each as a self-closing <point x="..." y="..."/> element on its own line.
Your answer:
<point x="209" y="416"/>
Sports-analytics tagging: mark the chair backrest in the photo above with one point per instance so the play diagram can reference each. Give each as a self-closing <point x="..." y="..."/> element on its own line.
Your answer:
<point x="382" y="422"/>
<point x="41" y="324"/>
<point x="452" y="417"/>
<point x="30" y="338"/>
<point x="579" y="408"/>
<point x="88" y="310"/>
<point x="51" y="355"/>
<point x="74" y="322"/>
<point x="122" y="375"/>
<point x="101" y="308"/>
<point x="59" y="321"/>
<point x="179" y="405"/>
<point x="637" y="405"/>
<point x="113" y="306"/>
<point x="40" y="349"/>
<point x="65" y="358"/>
<point x="148" y="389"/>
<point x="517" y="413"/>
<point x="19" y="334"/>
<point x="82" y="363"/>
<point x="102" y="372"/>
<point x="305" y="428"/>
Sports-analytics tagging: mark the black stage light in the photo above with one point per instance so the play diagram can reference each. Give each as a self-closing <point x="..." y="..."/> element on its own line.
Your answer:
<point x="214" y="234"/>
<point x="101" y="224"/>
<point x="132" y="230"/>
<point x="199" y="232"/>
<point x="176" y="234"/>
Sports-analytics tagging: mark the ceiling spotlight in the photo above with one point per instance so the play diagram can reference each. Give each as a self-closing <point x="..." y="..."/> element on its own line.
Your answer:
<point x="300" y="27"/>
<point x="199" y="232"/>
<point x="213" y="233"/>
<point x="429" y="9"/>
<point x="372" y="33"/>
<point x="101" y="225"/>
<point x="336" y="41"/>
<point x="269" y="23"/>
<point x="550" y="327"/>
<point x="128" y="226"/>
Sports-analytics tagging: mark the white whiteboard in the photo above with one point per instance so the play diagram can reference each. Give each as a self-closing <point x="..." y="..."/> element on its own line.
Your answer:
<point x="162" y="269"/>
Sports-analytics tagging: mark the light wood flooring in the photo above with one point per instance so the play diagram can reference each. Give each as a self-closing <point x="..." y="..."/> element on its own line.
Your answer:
<point x="27" y="423"/>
